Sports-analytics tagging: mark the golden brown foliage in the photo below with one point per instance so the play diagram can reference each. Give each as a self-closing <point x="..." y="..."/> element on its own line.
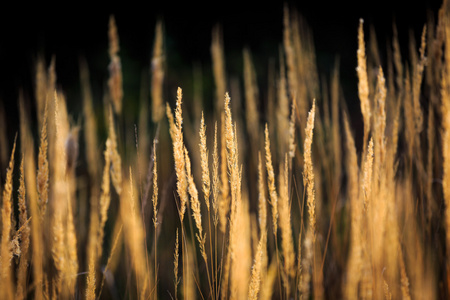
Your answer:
<point x="6" y="253"/>
<point x="370" y="208"/>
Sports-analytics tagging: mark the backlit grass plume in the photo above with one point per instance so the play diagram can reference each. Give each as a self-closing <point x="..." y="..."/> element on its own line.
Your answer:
<point x="6" y="251"/>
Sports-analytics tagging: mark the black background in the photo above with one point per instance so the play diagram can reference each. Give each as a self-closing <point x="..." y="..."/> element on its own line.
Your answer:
<point x="73" y="32"/>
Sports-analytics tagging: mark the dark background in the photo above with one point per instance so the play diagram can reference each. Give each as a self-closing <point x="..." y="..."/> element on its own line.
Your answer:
<point x="71" y="33"/>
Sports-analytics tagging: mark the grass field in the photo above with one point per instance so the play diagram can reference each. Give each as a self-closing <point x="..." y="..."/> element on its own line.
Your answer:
<point x="281" y="190"/>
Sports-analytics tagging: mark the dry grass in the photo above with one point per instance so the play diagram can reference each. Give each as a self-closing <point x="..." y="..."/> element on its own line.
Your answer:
<point x="354" y="213"/>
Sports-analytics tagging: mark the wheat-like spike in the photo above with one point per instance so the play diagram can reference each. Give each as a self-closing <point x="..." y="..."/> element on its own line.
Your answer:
<point x="230" y="137"/>
<point x="271" y="183"/>
<point x="216" y="180"/>
<point x="380" y="174"/>
<point x="204" y="163"/>
<point x="155" y="188"/>
<point x="262" y="217"/>
<point x="42" y="177"/>
<point x="105" y="197"/>
<point x="379" y="138"/>
<point x="90" y="284"/>
<point x="233" y="168"/>
<point x="308" y="173"/>
<point x="179" y="157"/>
<point x="25" y="236"/>
<point x="292" y="132"/>
<point x="14" y="237"/>
<point x="116" y="161"/>
<point x="363" y="83"/>
<point x="6" y="253"/>
<point x="157" y="74"/>
<point x="57" y="228"/>
<point x="61" y="230"/>
<point x="255" y="280"/>
<point x="115" y="67"/>
<point x="92" y="252"/>
<point x="380" y="124"/>
<point x="172" y="127"/>
<point x="236" y="214"/>
<point x="262" y="206"/>
<point x="195" y="206"/>
<point x="175" y="265"/>
<point x="224" y="203"/>
<point x="285" y="222"/>
<point x="367" y="179"/>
